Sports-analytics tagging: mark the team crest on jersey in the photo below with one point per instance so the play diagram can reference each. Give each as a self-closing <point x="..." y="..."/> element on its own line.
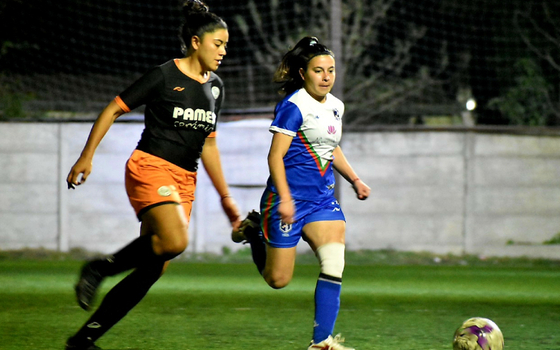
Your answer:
<point x="331" y="130"/>
<point x="336" y="114"/>
<point x="215" y="92"/>
<point x="284" y="227"/>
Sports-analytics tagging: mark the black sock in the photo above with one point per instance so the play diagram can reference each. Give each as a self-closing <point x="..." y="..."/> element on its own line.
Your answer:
<point x="118" y="302"/>
<point x="137" y="253"/>
<point x="258" y="251"/>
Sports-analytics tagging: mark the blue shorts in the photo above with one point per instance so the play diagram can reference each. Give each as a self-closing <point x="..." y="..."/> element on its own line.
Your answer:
<point x="281" y="235"/>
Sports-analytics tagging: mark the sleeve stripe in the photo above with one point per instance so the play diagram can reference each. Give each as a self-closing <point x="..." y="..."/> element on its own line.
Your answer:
<point x="212" y="134"/>
<point x="275" y="129"/>
<point x="121" y="104"/>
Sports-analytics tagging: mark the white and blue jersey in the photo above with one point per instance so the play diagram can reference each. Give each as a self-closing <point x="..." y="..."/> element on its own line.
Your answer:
<point x="316" y="129"/>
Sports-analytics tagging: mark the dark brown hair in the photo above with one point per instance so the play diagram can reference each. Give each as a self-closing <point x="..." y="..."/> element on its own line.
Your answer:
<point x="298" y="58"/>
<point x="198" y="21"/>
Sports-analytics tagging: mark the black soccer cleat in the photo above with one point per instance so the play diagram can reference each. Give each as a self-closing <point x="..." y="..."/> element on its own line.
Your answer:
<point x="88" y="345"/>
<point x="87" y="286"/>
<point x="249" y="229"/>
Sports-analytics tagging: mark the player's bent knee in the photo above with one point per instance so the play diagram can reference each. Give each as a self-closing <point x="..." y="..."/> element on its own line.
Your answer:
<point x="276" y="280"/>
<point x="171" y="247"/>
<point x="277" y="283"/>
<point x="175" y="248"/>
<point x="331" y="258"/>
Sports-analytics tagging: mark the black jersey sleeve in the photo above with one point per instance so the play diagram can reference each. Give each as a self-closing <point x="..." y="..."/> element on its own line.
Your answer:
<point x="143" y="90"/>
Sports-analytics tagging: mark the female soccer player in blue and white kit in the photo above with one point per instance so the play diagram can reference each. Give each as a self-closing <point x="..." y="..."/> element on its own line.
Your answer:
<point x="299" y="198"/>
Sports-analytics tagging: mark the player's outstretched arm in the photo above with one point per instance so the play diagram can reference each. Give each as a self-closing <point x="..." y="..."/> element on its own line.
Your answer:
<point x="83" y="166"/>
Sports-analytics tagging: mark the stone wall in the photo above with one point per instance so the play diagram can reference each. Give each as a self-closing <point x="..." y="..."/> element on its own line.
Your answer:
<point x="454" y="191"/>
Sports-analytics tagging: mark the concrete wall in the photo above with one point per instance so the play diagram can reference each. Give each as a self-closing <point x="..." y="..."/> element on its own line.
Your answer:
<point x="456" y="192"/>
<point x="438" y="191"/>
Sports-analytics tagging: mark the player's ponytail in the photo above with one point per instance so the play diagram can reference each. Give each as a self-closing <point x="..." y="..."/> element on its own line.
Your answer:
<point x="197" y="22"/>
<point x="298" y="58"/>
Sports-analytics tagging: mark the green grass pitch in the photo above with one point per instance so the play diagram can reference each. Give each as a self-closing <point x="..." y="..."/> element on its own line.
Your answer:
<point x="228" y="306"/>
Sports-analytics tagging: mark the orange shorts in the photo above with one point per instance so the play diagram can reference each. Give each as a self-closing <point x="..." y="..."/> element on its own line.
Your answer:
<point x="151" y="181"/>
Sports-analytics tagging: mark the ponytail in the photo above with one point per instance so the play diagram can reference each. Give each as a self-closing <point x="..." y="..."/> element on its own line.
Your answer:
<point x="198" y="20"/>
<point x="298" y="58"/>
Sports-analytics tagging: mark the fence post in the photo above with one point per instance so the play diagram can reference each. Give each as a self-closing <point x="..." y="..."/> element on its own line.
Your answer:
<point x="469" y="140"/>
<point x="336" y="46"/>
<point x="62" y="193"/>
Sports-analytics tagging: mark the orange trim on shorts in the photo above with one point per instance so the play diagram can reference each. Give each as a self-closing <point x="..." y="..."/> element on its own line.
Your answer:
<point x="121" y="104"/>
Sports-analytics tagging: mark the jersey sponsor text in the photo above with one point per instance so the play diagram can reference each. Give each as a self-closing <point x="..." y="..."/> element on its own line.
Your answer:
<point x="194" y="118"/>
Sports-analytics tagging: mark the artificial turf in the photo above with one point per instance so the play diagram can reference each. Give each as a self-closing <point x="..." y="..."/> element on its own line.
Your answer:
<point x="228" y="306"/>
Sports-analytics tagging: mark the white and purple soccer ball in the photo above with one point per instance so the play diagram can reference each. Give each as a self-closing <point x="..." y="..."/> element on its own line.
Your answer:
<point x="478" y="333"/>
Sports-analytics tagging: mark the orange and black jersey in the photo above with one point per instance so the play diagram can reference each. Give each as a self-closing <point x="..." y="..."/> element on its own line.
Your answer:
<point x="180" y="112"/>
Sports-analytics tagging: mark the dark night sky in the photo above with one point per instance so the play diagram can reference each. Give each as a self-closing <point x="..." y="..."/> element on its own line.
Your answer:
<point x="99" y="36"/>
<point x="109" y="35"/>
<point x="120" y="37"/>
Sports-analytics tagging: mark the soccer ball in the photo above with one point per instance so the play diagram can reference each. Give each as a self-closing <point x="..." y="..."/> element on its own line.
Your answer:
<point x="478" y="333"/>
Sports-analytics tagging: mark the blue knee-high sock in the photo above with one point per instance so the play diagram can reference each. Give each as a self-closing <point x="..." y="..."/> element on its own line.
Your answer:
<point x="327" y="304"/>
